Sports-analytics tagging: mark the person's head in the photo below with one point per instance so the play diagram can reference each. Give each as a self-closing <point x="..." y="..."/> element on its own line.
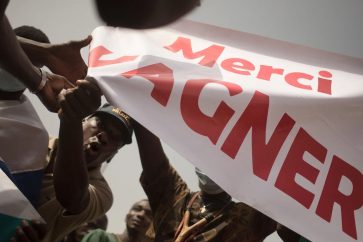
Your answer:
<point x="139" y="217"/>
<point x="104" y="133"/>
<point x="206" y="184"/>
<point x="78" y="234"/>
<point x="32" y="33"/>
<point x="143" y="14"/>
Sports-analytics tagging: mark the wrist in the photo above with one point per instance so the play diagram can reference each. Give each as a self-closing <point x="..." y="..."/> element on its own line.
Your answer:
<point x="67" y="122"/>
<point x="43" y="75"/>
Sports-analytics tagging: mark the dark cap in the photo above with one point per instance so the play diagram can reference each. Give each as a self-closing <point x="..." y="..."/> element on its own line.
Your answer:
<point x="119" y="115"/>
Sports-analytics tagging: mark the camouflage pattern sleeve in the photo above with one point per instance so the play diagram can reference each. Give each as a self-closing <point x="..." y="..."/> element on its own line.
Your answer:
<point x="164" y="188"/>
<point x="246" y="225"/>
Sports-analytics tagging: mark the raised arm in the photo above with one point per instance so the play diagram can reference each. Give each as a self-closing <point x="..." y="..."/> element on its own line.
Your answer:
<point x="14" y="60"/>
<point x="70" y="171"/>
<point x="287" y="234"/>
<point x="150" y="149"/>
<point x="3" y="5"/>
<point x="63" y="59"/>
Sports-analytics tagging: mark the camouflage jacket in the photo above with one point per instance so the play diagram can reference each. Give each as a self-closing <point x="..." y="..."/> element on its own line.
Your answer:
<point x="169" y="195"/>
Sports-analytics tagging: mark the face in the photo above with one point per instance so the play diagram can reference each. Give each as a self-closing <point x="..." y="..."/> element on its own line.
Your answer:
<point x="139" y="217"/>
<point x="143" y="14"/>
<point x="102" y="137"/>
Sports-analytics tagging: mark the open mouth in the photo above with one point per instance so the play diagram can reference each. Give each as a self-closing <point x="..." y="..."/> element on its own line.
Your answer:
<point x="93" y="148"/>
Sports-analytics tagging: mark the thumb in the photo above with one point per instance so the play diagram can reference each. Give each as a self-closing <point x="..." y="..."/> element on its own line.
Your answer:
<point x="82" y="43"/>
<point x="68" y="84"/>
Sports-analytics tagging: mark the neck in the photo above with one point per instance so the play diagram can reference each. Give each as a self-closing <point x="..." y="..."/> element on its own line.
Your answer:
<point x="131" y="236"/>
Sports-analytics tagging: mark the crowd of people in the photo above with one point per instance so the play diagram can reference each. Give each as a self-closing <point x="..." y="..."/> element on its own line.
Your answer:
<point x="62" y="176"/>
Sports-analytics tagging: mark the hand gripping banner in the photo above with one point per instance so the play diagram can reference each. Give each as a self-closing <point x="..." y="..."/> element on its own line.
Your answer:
<point x="277" y="125"/>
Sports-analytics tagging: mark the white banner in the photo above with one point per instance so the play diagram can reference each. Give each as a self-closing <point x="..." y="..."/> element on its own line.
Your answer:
<point x="278" y="126"/>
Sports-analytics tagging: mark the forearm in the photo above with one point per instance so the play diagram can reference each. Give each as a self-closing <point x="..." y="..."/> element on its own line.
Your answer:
<point x="3" y="5"/>
<point x="150" y="149"/>
<point x="70" y="171"/>
<point x="13" y="58"/>
<point x="37" y="52"/>
<point x="287" y="234"/>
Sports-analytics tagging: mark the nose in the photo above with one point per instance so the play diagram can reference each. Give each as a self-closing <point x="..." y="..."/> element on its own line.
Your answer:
<point x="140" y="214"/>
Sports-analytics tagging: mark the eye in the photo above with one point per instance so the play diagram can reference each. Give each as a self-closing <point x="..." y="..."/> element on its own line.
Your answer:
<point x="148" y="213"/>
<point x="137" y="208"/>
<point x="101" y="125"/>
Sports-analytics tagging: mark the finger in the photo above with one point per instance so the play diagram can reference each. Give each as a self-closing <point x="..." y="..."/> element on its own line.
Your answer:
<point x="92" y="90"/>
<point x="49" y="98"/>
<point x="91" y="79"/>
<point x="61" y="114"/>
<point x="88" y="81"/>
<point x="90" y="101"/>
<point x="58" y="82"/>
<point x="82" y="43"/>
<point x="40" y="227"/>
<point x="61" y="99"/>
<point x="67" y="110"/>
<point x="29" y="231"/>
<point x="66" y="83"/>
<point x="89" y="86"/>
<point x="80" y="111"/>
<point x="84" y="99"/>
<point x="20" y="236"/>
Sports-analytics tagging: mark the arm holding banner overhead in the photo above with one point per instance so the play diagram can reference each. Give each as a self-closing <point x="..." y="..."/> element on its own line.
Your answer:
<point x="150" y="149"/>
<point x="15" y="61"/>
<point x="45" y="85"/>
<point x="71" y="181"/>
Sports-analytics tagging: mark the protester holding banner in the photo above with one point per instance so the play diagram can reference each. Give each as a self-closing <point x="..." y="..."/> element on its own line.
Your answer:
<point x="138" y="220"/>
<point x="74" y="190"/>
<point x="181" y="215"/>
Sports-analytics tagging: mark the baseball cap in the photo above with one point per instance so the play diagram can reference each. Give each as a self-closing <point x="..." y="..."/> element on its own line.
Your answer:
<point x="121" y="116"/>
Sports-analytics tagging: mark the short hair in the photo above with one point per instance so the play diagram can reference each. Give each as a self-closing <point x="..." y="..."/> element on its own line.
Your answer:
<point x="32" y="33"/>
<point x="142" y="200"/>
